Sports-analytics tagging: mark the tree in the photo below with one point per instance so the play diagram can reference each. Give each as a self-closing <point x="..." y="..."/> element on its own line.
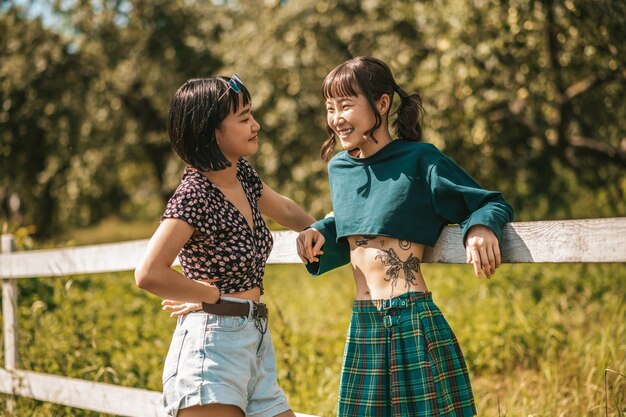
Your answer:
<point x="115" y="69"/>
<point x="41" y="116"/>
<point x="526" y="95"/>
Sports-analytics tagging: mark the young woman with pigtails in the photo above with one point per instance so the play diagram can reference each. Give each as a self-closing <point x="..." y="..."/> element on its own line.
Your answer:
<point x="391" y="198"/>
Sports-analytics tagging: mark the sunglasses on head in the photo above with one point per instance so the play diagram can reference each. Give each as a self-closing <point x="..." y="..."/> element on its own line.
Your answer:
<point x="235" y="83"/>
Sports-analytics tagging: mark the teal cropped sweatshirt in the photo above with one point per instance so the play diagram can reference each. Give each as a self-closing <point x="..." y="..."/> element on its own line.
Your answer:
<point x="407" y="190"/>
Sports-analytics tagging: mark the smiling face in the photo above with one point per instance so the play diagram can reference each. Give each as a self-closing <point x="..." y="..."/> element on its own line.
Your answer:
<point x="358" y="94"/>
<point x="351" y="118"/>
<point x="237" y="134"/>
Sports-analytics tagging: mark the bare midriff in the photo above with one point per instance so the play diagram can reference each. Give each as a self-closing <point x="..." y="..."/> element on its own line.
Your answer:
<point x="385" y="267"/>
<point x="253" y="294"/>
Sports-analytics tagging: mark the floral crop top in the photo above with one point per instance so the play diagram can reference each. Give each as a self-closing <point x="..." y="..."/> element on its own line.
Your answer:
<point x="225" y="247"/>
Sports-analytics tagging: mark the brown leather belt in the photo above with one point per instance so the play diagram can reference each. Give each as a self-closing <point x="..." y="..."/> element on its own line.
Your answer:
<point x="233" y="308"/>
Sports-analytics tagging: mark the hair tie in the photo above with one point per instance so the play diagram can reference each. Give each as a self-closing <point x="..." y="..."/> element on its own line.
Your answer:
<point x="403" y="94"/>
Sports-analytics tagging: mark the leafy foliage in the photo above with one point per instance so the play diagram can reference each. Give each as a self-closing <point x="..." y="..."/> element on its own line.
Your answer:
<point x="526" y="95"/>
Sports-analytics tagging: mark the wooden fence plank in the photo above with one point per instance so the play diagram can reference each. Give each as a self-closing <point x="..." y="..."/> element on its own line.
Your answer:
<point x="284" y="249"/>
<point x="88" y="395"/>
<point x="122" y="256"/>
<point x="9" y="317"/>
<point x="560" y="241"/>
<point x="94" y="396"/>
<point x="592" y="240"/>
<point x="9" y="310"/>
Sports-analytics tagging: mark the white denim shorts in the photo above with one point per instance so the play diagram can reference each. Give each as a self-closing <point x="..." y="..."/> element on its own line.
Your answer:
<point x="222" y="360"/>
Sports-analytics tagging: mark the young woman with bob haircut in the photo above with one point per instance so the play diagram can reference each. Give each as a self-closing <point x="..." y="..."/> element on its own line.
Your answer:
<point x="221" y="360"/>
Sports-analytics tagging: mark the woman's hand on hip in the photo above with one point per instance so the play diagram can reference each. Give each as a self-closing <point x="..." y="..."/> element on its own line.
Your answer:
<point x="180" y="308"/>
<point x="483" y="250"/>
<point x="310" y="242"/>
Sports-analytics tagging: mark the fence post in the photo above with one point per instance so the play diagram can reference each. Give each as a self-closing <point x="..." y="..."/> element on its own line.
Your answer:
<point x="9" y="313"/>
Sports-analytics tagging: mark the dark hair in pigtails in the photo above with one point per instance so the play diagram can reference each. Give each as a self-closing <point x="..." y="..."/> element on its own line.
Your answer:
<point x="372" y="78"/>
<point x="408" y="123"/>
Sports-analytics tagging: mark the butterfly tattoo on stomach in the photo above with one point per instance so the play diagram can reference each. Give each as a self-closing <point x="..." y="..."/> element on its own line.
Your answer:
<point x="390" y="259"/>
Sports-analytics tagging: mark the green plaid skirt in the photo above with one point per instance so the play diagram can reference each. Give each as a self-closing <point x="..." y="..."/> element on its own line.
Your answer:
<point x="402" y="359"/>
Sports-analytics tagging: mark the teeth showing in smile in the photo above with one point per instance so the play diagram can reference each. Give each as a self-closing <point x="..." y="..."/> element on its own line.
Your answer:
<point x="345" y="132"/>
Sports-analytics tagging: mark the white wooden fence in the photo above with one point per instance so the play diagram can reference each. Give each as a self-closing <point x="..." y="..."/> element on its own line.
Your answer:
<point x="593" y="240"/>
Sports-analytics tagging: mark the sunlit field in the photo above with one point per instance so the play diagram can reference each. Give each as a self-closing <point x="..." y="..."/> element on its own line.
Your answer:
<point x="526" y="96"/>
<point x="537" y="338"/>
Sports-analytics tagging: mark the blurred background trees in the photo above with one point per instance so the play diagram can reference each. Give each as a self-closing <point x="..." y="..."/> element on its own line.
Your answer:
<point x="527" y="96"/>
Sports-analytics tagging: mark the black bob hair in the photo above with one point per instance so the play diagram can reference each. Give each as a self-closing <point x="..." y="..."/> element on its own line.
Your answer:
<point x="196" y="111"/>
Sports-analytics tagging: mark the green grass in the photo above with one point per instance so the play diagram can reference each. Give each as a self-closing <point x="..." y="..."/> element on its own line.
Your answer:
<point x="537" y="337"/>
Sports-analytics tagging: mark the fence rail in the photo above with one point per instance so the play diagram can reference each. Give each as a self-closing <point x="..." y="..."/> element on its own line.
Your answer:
<point x="591" y="240"/>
